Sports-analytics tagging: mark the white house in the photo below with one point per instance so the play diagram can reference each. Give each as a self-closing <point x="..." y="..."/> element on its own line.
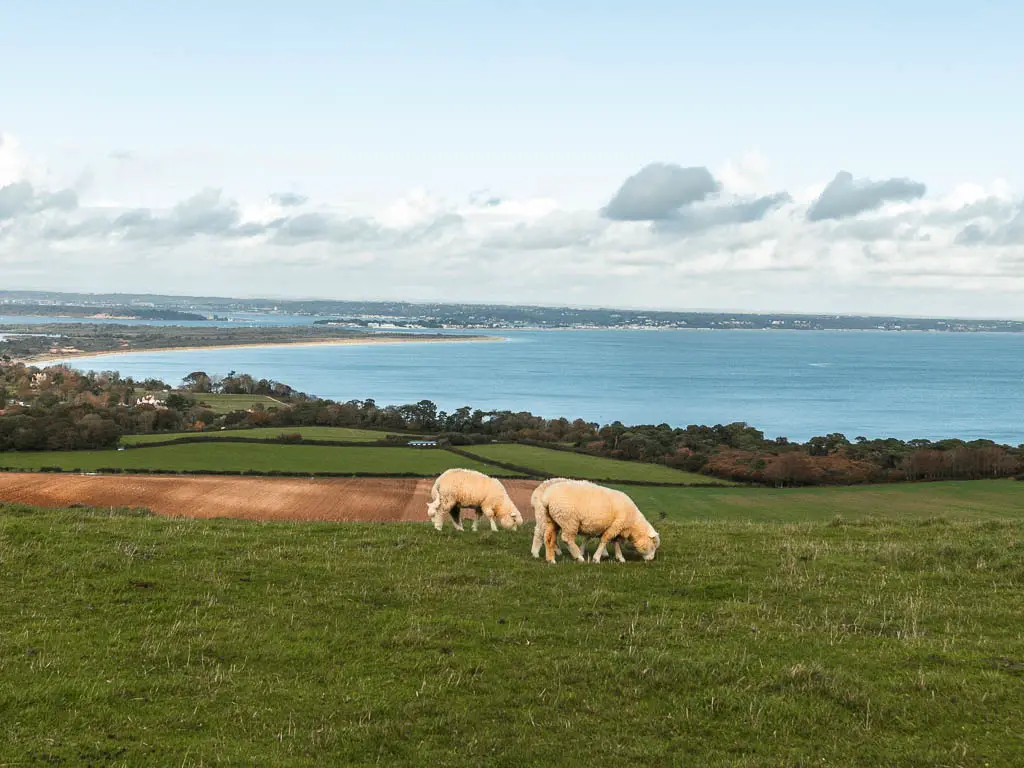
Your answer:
<point x="151" y="400"/>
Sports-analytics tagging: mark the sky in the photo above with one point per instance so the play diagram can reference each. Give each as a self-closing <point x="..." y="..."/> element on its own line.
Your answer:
<point x="733" y="156"/>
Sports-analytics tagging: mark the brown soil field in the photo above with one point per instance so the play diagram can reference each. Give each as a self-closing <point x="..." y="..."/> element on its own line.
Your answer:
<point x="256" y="498"/>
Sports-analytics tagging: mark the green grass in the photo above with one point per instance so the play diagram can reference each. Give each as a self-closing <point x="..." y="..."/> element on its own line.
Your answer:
<point x="579" y="465"/>
<point x="250" y="456"/>
<point x="147" y="641"/>
<point x="310" y="433"/>
<point x="966" y="500"/>
<point x="228" y="403"/>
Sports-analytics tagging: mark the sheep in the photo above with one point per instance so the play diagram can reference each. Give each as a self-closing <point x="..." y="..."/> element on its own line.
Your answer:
<point x="575" y="506"/>
<point x="456" y="489"/>
<point x="538" y="529"/>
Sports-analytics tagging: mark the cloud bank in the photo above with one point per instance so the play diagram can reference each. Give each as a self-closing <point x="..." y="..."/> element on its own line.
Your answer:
<point x="669" y="236"/>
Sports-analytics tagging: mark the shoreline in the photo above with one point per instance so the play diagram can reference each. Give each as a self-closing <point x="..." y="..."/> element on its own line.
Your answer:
<point x="38" y="359"/>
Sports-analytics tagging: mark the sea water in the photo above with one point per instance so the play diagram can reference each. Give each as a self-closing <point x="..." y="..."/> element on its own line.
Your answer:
<point x="795" y="384"/>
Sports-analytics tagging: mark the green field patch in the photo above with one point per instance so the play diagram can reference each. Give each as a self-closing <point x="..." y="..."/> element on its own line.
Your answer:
<point x="228" y="403"/>
<point x="237" y="457"/>
<point x="130" y="640"/>
<point x="966" y="499"/>
<point x="571" y="464"/>
<point x="341" y="434"/>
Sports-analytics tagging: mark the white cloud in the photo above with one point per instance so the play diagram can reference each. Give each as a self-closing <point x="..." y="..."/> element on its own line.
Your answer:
<point x="747" y="176"/>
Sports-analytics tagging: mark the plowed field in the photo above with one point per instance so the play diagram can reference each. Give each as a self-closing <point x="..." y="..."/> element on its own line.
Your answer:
<point x="351" y="500"/>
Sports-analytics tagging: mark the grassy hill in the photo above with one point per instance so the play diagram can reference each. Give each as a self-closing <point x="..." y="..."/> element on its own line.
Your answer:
<point x="130" y="640"/>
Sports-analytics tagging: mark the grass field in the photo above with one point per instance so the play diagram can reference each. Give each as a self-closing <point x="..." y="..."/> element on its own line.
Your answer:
<point x="254" y="456"/>
<point x="310" y="433"/>
<point x="146" y="641"/>
<point x="228" y="403"/>
<point x="587" y="467"/>
<point x="962" y="500"/>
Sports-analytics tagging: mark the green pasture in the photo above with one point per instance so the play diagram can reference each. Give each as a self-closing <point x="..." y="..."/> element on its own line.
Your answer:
<point x="133" y="640"/>
<point x="227" y="403"/>
<point x="250" y="456"/>
<point x="960" y="500"/>
<point x="571" y="464"/>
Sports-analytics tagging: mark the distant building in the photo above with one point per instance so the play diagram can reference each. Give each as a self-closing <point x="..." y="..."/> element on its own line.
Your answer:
<point x="422" y="443"/>
<point x="151" y="400"/>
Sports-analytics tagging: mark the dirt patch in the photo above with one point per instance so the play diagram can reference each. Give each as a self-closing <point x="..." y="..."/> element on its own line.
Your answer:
<point x="348" y="500"/>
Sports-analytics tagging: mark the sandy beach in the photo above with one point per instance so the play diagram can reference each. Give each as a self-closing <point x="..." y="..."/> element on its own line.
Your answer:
<point x="382" y="339"/>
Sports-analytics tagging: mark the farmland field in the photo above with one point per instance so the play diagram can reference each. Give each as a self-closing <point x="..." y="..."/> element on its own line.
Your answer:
<point x="960" y="500"/>
<point x="579" y="465"/>
<point x="384" y="499"/>
<point x="343" y="434"/>
<point x="250" y="456"/>
<point x="132" y="640"/>
<point x="362" y="499"/>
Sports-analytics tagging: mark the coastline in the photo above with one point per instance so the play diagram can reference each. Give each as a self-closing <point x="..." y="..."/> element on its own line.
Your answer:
<point x="383" y="339"/>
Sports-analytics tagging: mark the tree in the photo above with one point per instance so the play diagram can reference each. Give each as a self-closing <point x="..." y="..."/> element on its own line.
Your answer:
<point x="830" y="443"/>
<point x="198" y="381"/>
<point x="179" y="402"/>
<point x="790" y="469"/>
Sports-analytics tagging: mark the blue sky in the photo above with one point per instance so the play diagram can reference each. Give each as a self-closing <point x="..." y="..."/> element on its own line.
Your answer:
<point x="357" y="106"/>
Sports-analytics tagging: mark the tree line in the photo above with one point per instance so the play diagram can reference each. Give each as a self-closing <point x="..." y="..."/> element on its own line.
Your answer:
<point x="58" y="408"/>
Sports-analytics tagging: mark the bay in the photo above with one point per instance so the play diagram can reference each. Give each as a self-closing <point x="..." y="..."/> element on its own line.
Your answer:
<point x="786" y="383"/>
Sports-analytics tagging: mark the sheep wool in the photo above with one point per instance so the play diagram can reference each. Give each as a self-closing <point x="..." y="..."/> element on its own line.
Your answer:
<point x="580" y="507"/>
<point x="458" y="489"/>
<point x="538" y="529"/>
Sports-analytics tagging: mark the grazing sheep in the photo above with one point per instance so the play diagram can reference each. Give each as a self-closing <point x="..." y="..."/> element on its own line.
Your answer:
<point x="538" y="529"/>
<point x="575" y="506"/>
<point x="458" y="489"/>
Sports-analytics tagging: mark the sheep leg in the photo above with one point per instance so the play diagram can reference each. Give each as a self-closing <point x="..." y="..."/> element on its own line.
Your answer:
<point x="569" y="537"/>
<point x="618" y="551"/>
<point x="538" y="537"/>
<point x="606" y="538"/>
<point x="550" y="539"/>
<point x="494" y="525"/>
<point x="454" y="513"/>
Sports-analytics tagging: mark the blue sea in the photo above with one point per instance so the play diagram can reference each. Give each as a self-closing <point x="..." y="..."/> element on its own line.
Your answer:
<point x="787" y="383"/>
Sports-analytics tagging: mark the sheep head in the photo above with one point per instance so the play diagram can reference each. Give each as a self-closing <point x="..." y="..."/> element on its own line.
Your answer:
<point x="507" y="514"/>
<point x="646" y="542"/>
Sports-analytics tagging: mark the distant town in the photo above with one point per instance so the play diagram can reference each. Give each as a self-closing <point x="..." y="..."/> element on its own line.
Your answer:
<point x="412" y="316"/>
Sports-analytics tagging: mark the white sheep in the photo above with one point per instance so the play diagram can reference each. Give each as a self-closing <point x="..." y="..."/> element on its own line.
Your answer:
<point x="580" y="507"/>
<point x="538" y="529"/>
<point x="458" y="489"/>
